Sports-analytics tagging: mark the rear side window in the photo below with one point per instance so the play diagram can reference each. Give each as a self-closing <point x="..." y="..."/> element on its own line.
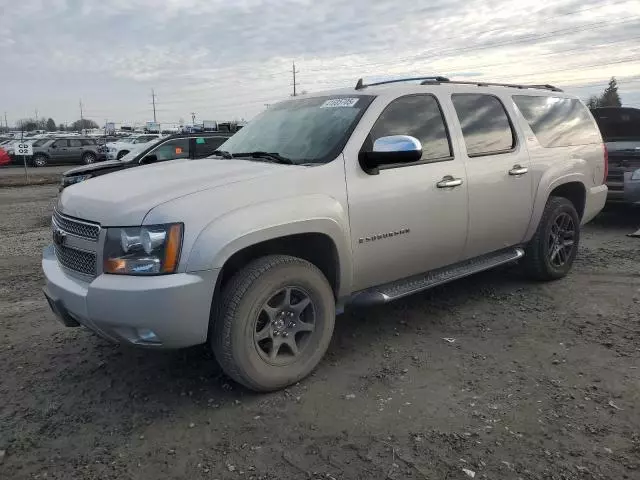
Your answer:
<point x="205" y="146"/>
<point x="558" y="122"/>
<point x="75" y="143"/>
<point x="485" y="125"/>
<point x="420" y="117"/>
<point x="88" y="142"/>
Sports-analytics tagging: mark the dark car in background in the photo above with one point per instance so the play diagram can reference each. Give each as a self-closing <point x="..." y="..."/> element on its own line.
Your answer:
<point x="620" y="128"/>
<point x="66" y="150"/>
<point x="173" y="147"/>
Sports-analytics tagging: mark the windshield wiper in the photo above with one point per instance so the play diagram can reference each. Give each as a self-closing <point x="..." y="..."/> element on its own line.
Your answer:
<point x="273" y="157"/>
<point x="223" y="154"/>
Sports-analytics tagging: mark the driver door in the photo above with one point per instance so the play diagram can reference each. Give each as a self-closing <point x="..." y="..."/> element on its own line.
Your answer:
<point x="59" y="150"/>
<point x="402" y="222"/>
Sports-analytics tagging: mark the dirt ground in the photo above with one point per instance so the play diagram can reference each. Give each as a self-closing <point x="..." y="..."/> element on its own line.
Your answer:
<point x="495" y="374"/>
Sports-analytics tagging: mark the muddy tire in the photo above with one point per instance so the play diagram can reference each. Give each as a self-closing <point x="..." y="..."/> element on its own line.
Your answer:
<point x="553" y="248"/>
<point x="89" y="158"/>
<point x="273" y="323"/>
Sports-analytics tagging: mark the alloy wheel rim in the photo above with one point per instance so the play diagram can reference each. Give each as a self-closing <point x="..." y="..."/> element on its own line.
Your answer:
<point x="284" y="326"/>
<point x="561" y="240"/>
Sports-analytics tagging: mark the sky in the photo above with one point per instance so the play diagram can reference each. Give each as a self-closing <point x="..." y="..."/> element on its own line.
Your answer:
<point x="225" y="60"/>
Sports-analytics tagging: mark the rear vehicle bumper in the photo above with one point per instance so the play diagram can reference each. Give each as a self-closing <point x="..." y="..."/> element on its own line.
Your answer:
<point x="625" y="192"/>
<point x="168" y="311"/>
<point x="596" y="198"/>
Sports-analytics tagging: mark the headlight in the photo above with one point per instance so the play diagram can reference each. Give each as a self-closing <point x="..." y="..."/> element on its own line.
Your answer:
<point x="72" y="179"/>
<point x="148" y="250"/>
<point x="635" y="175"/>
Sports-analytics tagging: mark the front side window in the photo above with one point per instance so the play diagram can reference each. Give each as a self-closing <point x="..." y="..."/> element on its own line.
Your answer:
<point x="205" y="146"/>
<point x="485" y="125"/>
<point x="557" y="122"/>
<point x="418" y="116"/>
<point x="61" y="143"/>
<point x="172" y="150"/>
<point x="304" y="130"/>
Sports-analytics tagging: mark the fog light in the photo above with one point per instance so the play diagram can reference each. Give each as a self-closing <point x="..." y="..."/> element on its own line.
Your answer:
<point x="148" y="336"/>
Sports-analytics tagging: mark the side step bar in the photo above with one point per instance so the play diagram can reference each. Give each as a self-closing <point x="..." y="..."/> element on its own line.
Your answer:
<point x="407" y="286"/>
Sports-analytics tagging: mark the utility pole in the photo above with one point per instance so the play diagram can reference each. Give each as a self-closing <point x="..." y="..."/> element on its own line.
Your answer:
<point x="6" y="123"/>
<point x="36" y="115"/>
<point x="81" y="117"/>
<point x="153" y="99"/>
<point x="193" y="119"/>
<point x="294" y="71"/>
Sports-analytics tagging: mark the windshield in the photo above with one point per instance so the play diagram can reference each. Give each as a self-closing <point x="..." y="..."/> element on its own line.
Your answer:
<point x="306" y="130"/>
<point x="618" y="124"/>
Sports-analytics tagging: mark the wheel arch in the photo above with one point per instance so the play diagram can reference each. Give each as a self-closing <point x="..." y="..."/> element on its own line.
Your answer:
<point x="572" y="187"/>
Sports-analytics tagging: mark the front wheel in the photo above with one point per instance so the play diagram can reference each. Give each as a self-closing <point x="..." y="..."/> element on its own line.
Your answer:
<point x="273" y="323"/>
<point x="553" y="248"/>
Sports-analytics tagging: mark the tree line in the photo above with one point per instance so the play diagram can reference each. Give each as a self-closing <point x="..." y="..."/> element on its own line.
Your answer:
<point x="49" y="125"/>
<point x="609" y="98"/>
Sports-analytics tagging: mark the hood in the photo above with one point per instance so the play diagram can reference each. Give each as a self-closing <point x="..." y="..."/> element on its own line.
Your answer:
<point x="93" y="167"/>
<point x="125" y="197"/>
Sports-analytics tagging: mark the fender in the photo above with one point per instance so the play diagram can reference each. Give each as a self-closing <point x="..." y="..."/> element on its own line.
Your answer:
<point x="256" y="223"/>
<point x="545" y="187"/>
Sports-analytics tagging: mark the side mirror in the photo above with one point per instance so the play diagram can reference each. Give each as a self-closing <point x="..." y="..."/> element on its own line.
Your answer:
<point x="390" y="150"/>
<point x="149" y="159"/>
<point x="53" y="145"/>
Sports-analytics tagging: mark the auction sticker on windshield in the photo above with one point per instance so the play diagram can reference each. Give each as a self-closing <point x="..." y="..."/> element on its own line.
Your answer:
<point x="339" y="102"/>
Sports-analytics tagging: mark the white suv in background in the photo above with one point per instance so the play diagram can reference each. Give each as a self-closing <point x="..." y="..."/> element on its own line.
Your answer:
<point x="117" y="150"/>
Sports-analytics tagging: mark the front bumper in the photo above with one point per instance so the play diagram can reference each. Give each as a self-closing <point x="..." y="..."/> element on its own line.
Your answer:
<point x="166" y="311"/>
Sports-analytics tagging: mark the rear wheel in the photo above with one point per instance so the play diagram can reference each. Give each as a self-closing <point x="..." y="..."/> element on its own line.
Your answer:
<point x="273" y="323"/>
<point x="39" y="160"/>
<point x="89" y="158"/>
<point x="553" y="248"/>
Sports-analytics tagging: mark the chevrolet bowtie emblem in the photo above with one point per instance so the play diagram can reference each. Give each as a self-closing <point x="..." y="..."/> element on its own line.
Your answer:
<point x="58" y="236"/>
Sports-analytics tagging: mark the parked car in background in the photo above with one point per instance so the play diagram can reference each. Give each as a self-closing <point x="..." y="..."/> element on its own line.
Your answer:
<point x="66" y="150"/>
<point x="620" y="128"/>
<point x="118" y="149"/>
<point x="5" y="159"/>
<point x="358" y="196"/>
<point x="162" y="149"/>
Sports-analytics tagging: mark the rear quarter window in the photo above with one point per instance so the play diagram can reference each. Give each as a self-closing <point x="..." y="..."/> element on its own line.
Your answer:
<point x="558" y="122"/>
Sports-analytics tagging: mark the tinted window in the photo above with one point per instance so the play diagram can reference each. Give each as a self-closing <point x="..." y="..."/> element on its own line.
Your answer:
<point x="61" y="143"/>
<point x="558" y="122"/>
<point x="172" y="150"/>
<point x="420" y="117"/>
<point x="205" y="146"/>
<point x="75" y="143"/>
<point x="88" y="141"/>
<point x="41" y="142"/>
<point x="485" y="125"/>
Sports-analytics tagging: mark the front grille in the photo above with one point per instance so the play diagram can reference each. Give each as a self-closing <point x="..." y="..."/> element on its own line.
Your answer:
<point x="76" y="260"/>
<point x="78" y="228"/>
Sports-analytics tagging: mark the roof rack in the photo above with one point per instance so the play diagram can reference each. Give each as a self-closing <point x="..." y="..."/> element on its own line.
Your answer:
<point x="438" y="79"/>
<point x="434" y="79"/>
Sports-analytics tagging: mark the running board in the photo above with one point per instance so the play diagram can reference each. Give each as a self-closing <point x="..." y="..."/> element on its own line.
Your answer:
<point x="407" y="286"/>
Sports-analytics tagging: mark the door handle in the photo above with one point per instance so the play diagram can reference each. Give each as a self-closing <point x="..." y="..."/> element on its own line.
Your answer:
<point x="517" y="170"/>
<point x="449" y="182"/>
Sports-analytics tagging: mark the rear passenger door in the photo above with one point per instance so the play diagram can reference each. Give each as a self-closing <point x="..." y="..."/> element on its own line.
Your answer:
<point x="75" y="150"/>
<point x="499" y="181"/>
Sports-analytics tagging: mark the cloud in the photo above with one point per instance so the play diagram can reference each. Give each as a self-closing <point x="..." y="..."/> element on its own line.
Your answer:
<point x="227" y="59"/>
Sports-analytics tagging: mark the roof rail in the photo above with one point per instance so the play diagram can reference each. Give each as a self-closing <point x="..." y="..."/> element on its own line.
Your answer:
<point x="438" y="79"/>
<point x="433" y="79"/>
<point x="511" y="85"/>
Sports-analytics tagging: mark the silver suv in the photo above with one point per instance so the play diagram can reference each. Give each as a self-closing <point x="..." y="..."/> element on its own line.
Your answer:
<point x="358" y="196"/>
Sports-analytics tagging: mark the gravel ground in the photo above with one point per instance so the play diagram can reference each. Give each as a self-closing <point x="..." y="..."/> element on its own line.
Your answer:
<point x="493" y="376"/>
